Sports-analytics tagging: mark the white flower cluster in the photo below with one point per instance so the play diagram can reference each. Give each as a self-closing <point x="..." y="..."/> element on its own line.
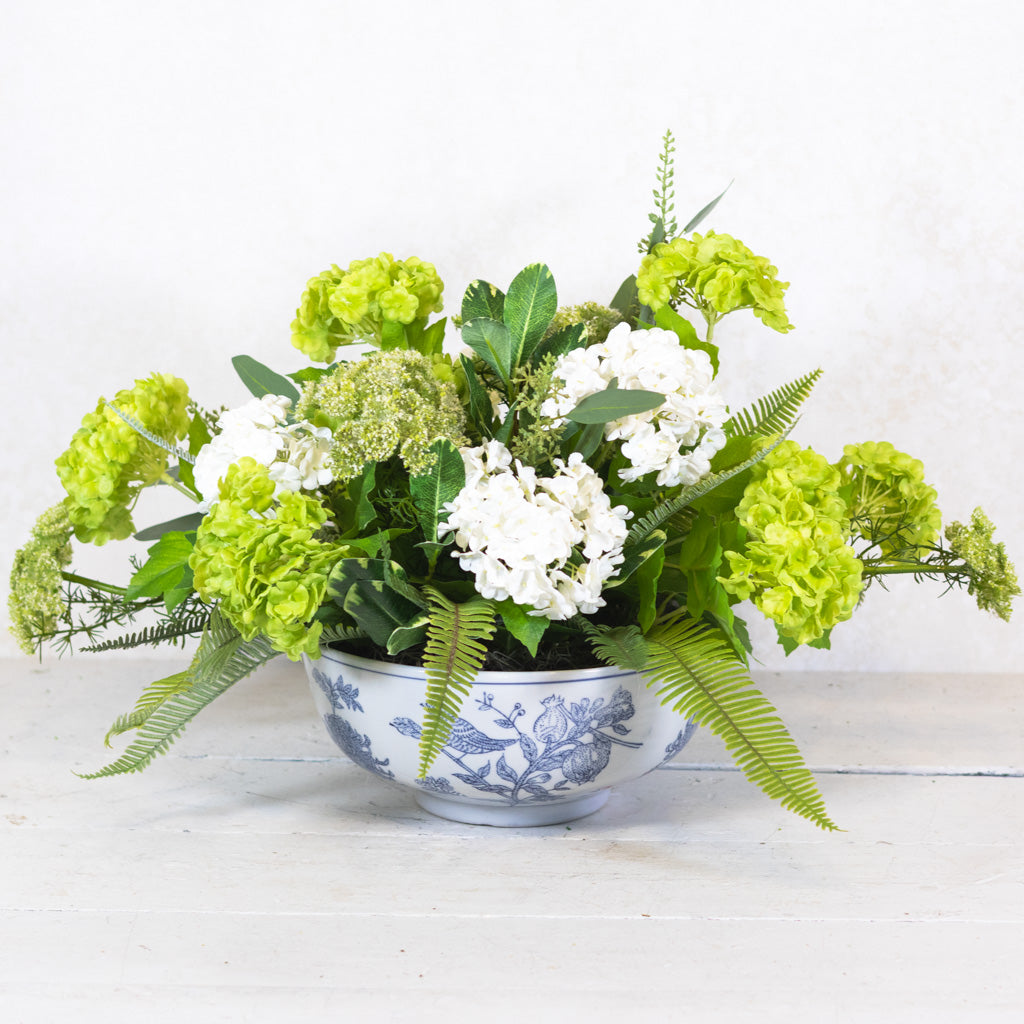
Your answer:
<point x="548" y="543"/>
<point x="676" y="440"/>
<point x="295" y="454"/>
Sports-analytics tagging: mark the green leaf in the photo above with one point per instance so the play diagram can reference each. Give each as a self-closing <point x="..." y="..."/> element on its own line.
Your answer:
<point x="668" y="319"/>
<point x="625" y="299"/>
<point x="700" y="676"/>
<point x="704" y="211"/>
<point x="183" y="524"/>
<point x="261" y="380"/>
<point x="441" y="484"/>
<point x="529" y="306"/>
<point x="378" y="610"/>
<point x="392" y="335"/>
<point x="481" y="413"/>
<point x="155" y="694"/>
<point x="198" y="435"/>
<point x="491" y="341"/>
<point x="613" y="404"/>
<point x="587" y="440"/>
<point x="559" y="344"/>
<point x="405" y="637"/>
<point x="527" y="629"/>
<point x="359" y="490"/>
<point x="483" y="299"/>
<point x="166" y="572"/>
<point x="636" y="554"/>
<point x="647" y="575"/>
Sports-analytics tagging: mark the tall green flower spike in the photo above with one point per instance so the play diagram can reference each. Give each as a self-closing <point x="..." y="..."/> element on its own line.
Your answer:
<point x="36" y="604"/>
<point x="715" y="274"/>
<point x="340" y="307"/>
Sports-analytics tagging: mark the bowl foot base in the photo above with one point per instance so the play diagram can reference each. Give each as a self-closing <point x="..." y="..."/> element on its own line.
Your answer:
<point x="515" y="816"/>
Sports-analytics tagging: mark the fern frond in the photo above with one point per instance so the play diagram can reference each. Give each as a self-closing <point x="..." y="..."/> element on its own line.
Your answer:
<point x="622" y="646"/>
<point x="222" y="659"/>
<point x="667" y="509"/>
<point x="152" y="697"/>
<point x="179" y="453"/>
<point x="776" y="411"/>
<point x="453" y="656"/>
<point x="153" y="636"/>
<point x="341" y="634"/>
<point x="698" y="674"/>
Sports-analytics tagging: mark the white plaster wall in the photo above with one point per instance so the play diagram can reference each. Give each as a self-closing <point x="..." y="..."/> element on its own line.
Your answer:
<point x="173" y="173"/>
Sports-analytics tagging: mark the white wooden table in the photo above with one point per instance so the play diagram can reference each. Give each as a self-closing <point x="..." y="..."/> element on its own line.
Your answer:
<point x="252" y="875"/>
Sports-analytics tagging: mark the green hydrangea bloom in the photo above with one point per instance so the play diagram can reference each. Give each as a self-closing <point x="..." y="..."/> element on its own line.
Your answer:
<point x="597" y="319"/>
<point x="993" y="579"/>
<point x="796" y="565"/>
<point x="890" y="503"/>
<point x="340" y="307"/>
<point x="108" y="462"/>
<point x="36" y="605"/>
<point x="385" y="404"/>
<point x="262" y="561"/>
<point x="715" y="274"/>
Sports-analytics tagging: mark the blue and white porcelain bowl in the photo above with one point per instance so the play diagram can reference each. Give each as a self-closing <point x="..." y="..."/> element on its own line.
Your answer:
<point x="528" y="748"/>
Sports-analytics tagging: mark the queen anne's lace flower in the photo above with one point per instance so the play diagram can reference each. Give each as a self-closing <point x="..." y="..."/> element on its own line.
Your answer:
<point x="296" y="455"/>
<point x="548" y="543"/>
<point x="678" y="439"/>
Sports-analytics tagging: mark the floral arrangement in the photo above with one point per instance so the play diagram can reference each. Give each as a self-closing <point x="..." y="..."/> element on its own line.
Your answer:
<point x="554" y="487"/>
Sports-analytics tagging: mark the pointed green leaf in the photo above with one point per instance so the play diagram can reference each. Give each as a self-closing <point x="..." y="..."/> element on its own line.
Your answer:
<point x="668" y="319"/>
<point x="559" y="344"/>
<point x="378" y="610"/>
<point x="439" y="485"/>
<point x="166" y="572"/>
<point x="261" y="380"/>
<point x="527" y="629"/>
<point x="529" y="306"/>
<point x="183" y="524"/>
<point x="625" y="299"/>
<point x="704" y="211"/>
<point x="614" y="404"/>
<point x="483" y="299"/>
<point x="491" y="341"/>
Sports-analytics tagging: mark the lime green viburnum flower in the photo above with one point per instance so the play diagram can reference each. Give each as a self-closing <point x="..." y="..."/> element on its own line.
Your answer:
<point x="389" y="403"/>
<point x="993" y="579"/>
<point x="36" y="604"/>
<point x="890" y="503"/>
<point x="109" y="462"/>
<point x="261" y="559"/>
<point x="340" y="307"/>
<point x="796" y="565"/>
<point x="715" y="274"/>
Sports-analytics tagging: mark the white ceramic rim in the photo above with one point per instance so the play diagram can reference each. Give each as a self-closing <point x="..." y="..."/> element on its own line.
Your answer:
<point x="419" y="674"/>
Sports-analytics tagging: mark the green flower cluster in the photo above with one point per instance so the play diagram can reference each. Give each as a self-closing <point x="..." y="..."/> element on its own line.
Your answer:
<point x="890" y="503"/>
<point x="108" y="462"/>
<point x="597" y="319"/>
<point x="796" y="565"/>
<point x="715" y="274"/>
<point x="993" y="580"/>
<point x="340" y="307"/>
<point x="385" y="404"/>
<point x="262" y="560"/>
<point x="36" y="605"/>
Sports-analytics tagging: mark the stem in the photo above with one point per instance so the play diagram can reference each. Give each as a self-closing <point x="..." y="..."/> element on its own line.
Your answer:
<point x="106" y="588"/>
<point x="922" y="568"/>
<point x="168" y="479"/>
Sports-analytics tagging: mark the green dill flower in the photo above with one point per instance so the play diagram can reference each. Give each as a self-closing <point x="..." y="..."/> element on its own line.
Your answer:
<point x="340" y="307"/>
<point x="108" y="462"/>
<point x="715" y="274"/>
<point x="993" y="579"/>
<point x="36" y="604"/>
<point x="890" y="503"/>
<point x="796" y="565"/>
<point x="385" y="404"/>
<point x="597" y="319"/>
<point x="263" y="562"/>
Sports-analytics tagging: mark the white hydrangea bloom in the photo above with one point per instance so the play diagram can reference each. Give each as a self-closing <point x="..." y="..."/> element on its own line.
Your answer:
<point x="678" y="439"/>
<point x="295" y="454"/>
<point x="548" y="543"/>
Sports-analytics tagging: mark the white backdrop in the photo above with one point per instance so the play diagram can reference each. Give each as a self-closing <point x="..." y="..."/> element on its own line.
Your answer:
<point x="172" y="174"/>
